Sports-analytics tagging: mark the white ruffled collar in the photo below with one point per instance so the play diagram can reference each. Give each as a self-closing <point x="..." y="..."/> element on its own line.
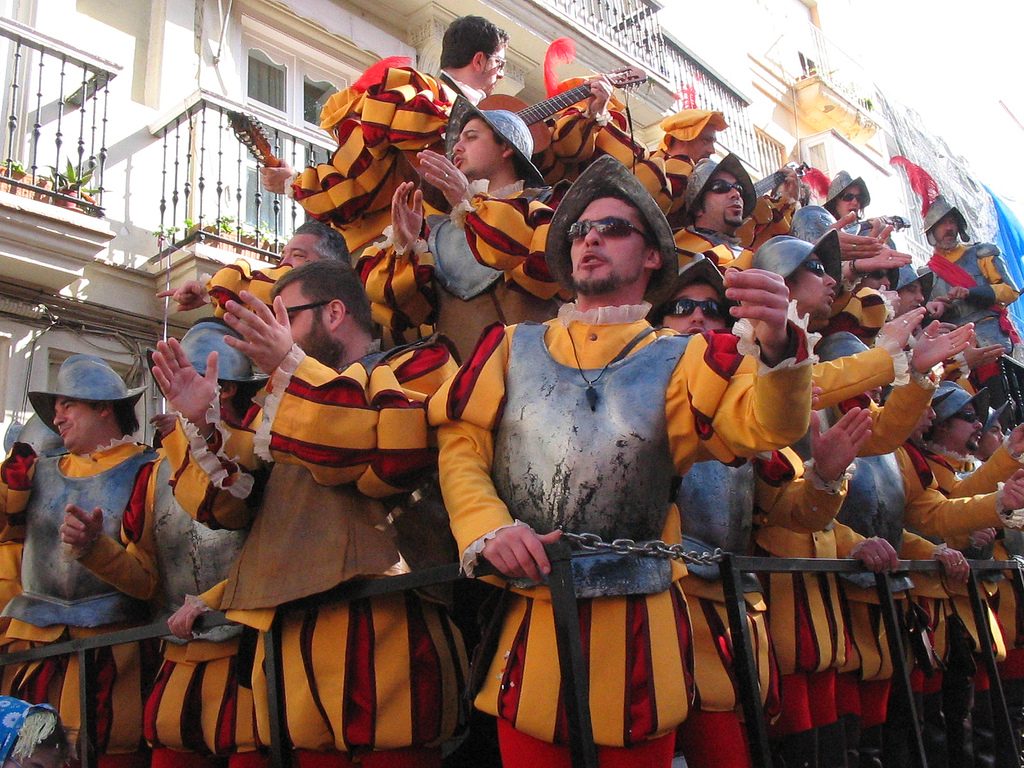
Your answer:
<point x="626" y="313"/>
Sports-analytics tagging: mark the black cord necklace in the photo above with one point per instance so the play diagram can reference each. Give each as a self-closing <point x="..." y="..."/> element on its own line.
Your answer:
<point x="591" y="393"/>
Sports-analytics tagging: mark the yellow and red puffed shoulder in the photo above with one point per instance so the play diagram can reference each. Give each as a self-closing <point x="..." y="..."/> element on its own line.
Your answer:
<point x="862" y="313"/>
<point x="477" y="392"/>
<point x="15" y="489"/>
<point x="400" y="288"/>
<point x="768" y="219"/>
<point x="422" y="368"/>
<point x="229" y="282"/>
<point x="407" y="110"/>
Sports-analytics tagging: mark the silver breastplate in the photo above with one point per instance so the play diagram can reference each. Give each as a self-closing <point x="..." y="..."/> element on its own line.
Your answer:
<point x="874" y="506"/>
<point x="557" y="463"/>
<point x="455" y="266"/>
<point x="961" y="312"/>
<point x="716" y="504"/>
<point x="191" y="557"/>
<point x="57" y="589"/>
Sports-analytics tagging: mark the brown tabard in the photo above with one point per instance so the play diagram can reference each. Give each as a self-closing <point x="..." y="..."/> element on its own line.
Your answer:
<point x="306" y="539"/>
<point x="464" y="321"/>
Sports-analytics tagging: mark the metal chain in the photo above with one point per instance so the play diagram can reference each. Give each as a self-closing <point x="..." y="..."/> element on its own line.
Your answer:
<point x="594" y="543"/>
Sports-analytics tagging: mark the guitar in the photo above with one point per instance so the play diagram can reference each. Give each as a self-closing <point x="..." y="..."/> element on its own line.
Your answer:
<point x="769" y="184"/>
<point x="534" y="115"/>
<point x="253" y="135"/>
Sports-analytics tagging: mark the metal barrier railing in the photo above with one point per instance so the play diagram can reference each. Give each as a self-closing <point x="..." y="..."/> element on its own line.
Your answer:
<point x="567" y="630"/>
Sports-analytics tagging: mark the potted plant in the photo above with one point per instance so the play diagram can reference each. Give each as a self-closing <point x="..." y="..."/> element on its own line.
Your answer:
<point x="72" y="182"/>
<point x="12" y="169"/>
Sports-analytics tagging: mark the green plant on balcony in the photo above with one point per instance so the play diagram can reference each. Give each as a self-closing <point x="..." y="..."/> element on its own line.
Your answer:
<point x="222" y="225"/>
<point x="73" y="183"/>
<point x="13" y="169"/>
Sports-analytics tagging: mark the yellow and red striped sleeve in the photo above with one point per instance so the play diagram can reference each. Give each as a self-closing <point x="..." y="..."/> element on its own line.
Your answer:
<point x="229" y="282"/>
<point x="768" y="219"/>
<point x="400" y="287"/>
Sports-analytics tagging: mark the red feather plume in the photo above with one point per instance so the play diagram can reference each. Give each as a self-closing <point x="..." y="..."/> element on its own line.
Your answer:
<point x="375" y="72"/>
<point x="687" y="96"/>
<point x="817" y="181"/>
<point x="921" y="182"/>
<point x="561" y="51"/>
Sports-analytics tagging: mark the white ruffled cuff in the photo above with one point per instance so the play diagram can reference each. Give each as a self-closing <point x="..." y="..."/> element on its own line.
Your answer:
<point x="289" y="191"/>
<point x="1018" y="457"/>
<point x="1012" y="518"/>
<point x="418" y="247"/>
<point x="463" y="209"/>
<point x="275" y="389"/>
<point x="602" y="118"/>
<point x="831" y="487"/>
<point x="472" y="553"/>
<point x="747" y="344"/>
<point x="238" y="485"/>
<point x="900" y="359"/>
<point x="961" y="360"/>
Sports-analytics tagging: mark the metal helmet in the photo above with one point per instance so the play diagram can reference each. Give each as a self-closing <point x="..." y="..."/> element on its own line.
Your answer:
<point x="44" y="441"/>
<point x="701" y="175"/>
<point x="995" y="415"/>
<point x="507" y="125"/>
<point x="950" y="398"/>
<point x="782" y="254"/>
<point x="811" y="222"/>
<point x="700" y="270"/>
<point x="837" y="345"/>
<point x="940" y="209"/>
<point x="83" y="377"/>
<point x="907" y="275"/>
<point x="207" y="336"/>
<point x="607" y="177"/>
<point x="840" y="184"/>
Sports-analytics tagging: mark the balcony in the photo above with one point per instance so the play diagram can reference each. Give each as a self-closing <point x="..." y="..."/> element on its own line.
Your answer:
<point x="829" y="90"/>
<point x="211" y="207"/>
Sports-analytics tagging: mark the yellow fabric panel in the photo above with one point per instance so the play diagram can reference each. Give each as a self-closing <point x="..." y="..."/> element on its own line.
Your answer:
<point x="870" y="654"/>
<point x="797" y="505"/>
<point x="824" y="610"/>
<point x="852" y="375"/>
<point x="985" y="479"/>
<point x="10" y="571"/>
<point x="1005" y="294"/>
<point x="393" y="692"/>
<point x="607" y="678"/>
<point x="931" y="513"/>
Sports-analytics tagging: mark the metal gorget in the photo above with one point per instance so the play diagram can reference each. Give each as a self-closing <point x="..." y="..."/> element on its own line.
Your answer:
<point x="455" y="266"/>
<point x="57" y="588"/>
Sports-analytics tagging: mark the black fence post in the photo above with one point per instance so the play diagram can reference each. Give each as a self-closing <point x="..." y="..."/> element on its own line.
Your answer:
<point x="747" y="682"/>
<point x="575" y="681"/>
<point x="280" y="749"/>
<point x="1006" y="749"/>
<point x="87" y="725"/>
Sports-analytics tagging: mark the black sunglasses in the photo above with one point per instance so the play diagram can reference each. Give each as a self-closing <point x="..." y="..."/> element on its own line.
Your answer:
<point x="721" y="186"/>
<point x="292" y="311"/>
<point x="849" y="197"/>
<point x="966" y="414"/>
<point x="815" y="267"/>
<point x="686" y="307"/>
<point x="610" y="226"/>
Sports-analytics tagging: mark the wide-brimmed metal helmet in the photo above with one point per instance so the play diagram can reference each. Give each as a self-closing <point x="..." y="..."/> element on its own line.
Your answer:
<point x="83" y="377"/>
<point x="701" y="176"/>
<point x="842" y="182"/>
<point x="940" y="209"/>
<point x="811" y="222"/>
<point x="950" y="399"/>
<point x="507" y="125"/>
<point x="607" y="177"/>
<point x="837" y="345"/>
<point x="907" y="275"/>
<point x="783" y="254"/>
<point x="207" y="336"/>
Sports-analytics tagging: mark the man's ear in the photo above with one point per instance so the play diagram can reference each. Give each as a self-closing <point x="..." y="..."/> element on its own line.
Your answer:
<point x="479" y="61"/>
<point x="335" y="313"/>
<point x="653" y="258"/>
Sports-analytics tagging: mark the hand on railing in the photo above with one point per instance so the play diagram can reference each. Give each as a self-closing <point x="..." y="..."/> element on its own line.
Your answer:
<point x="190" y="295"/>
<point x="182" y="620"/>
<point x="876" y="554"/>
<point x="518" y="552"/>
<point x="953" y="562"/>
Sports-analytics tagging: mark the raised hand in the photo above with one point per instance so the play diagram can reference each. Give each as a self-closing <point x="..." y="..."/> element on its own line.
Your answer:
<point x="266" y="336"/>
<point x="190" y="295"/>
<point x="438" y="171"/>
<point x="835" y="449"/>
<point x="900" y="329"/>
<point x="934" y="345"/>
<point x="876" y="554"/>
<point x="186" y="391"/>
<point x="406" y="216"/>
<point x="276" y="179"/>
<point x="979" y="356"/>
<point x="763" y="298"/>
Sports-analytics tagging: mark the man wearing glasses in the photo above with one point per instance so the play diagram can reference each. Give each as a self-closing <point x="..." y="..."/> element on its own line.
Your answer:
<point x="599" y="396"/>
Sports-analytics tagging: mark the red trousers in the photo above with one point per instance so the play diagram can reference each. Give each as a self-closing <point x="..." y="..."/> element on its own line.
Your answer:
<point x="391" y="758"/>
<point x="521" y="751"/>
<point x="702" y="736"/>
<point x="808" y="701"/>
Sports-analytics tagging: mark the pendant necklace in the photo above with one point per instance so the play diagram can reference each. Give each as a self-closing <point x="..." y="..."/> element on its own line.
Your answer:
<point x="591" y="393"/>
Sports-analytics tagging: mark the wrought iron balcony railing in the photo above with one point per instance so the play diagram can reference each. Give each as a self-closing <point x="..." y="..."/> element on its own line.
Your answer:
<point x="209" y="183"/>
<point x="54" y="118"/>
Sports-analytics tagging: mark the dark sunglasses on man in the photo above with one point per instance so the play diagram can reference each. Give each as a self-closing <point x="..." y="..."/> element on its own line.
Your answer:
<point x="815" y="267"/>
<point x="849" y="197"/>
<point x="686" y="307"/>
<point x="610" y="226"/>
<point x="721" y="186"/>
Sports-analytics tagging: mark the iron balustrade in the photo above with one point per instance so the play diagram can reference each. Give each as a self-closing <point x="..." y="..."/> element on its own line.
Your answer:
<point x="584" y="752"/>
<point x="54" y="109"/>
<point x="209" y="182"/>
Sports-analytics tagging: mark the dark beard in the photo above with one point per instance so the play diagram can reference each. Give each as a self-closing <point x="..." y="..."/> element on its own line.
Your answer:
<point x="596" y="287"/>
<point x="323" y="347"/>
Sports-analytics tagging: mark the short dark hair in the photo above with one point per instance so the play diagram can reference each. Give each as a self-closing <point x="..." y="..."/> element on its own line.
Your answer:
<point x="329" y="280"/>
<point x="467" y="36"/>
<point x="331" y="246"/>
